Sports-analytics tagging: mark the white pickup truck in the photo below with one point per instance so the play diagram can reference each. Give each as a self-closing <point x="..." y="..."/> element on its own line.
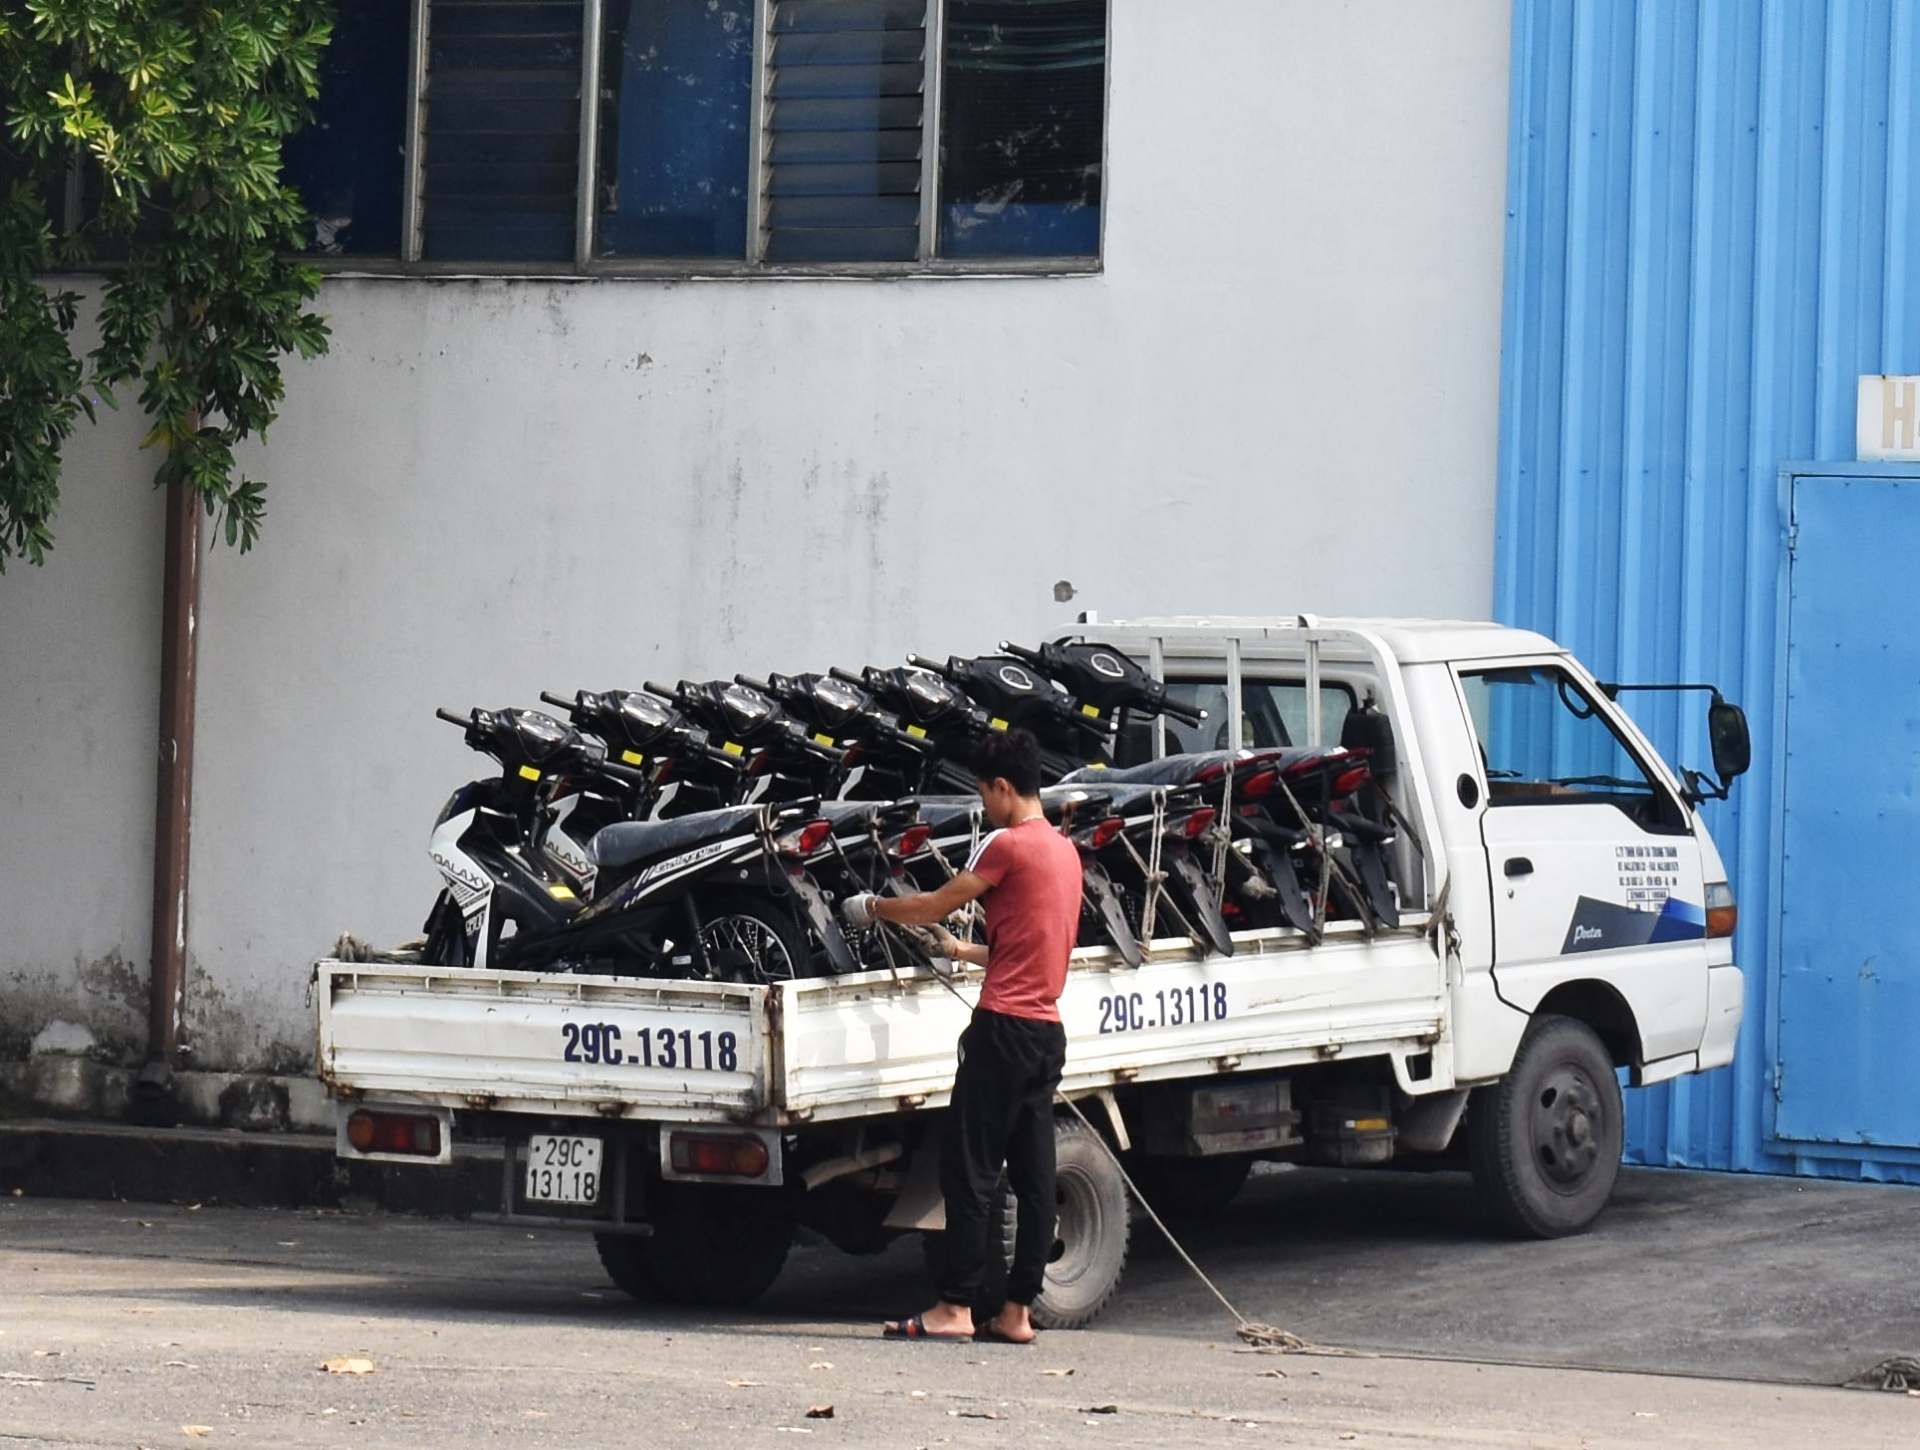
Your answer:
<point x="1563" y="915"/>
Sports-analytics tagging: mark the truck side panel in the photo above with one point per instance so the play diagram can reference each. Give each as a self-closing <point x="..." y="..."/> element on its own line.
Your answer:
<point x="855" y="1045"/>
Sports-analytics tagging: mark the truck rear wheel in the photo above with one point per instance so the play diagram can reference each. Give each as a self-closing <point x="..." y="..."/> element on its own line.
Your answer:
<point x="712" y="1245"/>
<point x="1090" y="1234"/>
<point x="1544" y="1142"/>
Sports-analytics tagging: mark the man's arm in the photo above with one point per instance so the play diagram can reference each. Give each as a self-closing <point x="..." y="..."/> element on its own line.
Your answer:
<point x="924" y="908"/>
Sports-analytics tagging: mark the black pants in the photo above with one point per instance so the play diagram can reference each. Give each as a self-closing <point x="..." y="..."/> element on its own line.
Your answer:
<point x="1002" y="1112"/>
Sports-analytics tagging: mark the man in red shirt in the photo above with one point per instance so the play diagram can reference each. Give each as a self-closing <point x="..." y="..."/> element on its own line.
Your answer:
<point x="1028" y="878"/>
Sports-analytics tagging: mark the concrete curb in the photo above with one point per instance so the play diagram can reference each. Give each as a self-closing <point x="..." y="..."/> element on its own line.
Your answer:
<point x="47" y="1158"/>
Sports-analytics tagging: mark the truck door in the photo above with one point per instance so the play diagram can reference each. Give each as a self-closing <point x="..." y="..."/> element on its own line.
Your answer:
<point x="1593" y="866"/>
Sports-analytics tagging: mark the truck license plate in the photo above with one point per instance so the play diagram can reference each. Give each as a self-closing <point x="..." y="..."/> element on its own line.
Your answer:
<point x="563" y="1170"/>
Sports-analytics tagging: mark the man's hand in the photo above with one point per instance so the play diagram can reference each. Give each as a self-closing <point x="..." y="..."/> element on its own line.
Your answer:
<point x="857" y="911"/>
<point x="945" y="943"/>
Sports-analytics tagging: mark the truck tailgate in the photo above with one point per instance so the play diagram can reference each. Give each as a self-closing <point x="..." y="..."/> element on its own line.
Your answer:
<point x="530" y="1042"/>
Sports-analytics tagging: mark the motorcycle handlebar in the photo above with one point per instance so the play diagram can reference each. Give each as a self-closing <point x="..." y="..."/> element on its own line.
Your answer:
<point x="752" y="684"/>
<point x="665" y="692"/>
<point x="921" y="662"/>
<point x="846" y="676"/>
<point x="547" y="699"/>
<point x="463" y="721"/>
<point x="1020" y="652"/>
<point x="626" y="773"/>
<point x="1185" y="714"/>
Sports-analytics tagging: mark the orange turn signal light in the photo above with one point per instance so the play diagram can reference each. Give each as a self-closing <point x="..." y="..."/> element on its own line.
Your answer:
<point x="727" y="1155"/>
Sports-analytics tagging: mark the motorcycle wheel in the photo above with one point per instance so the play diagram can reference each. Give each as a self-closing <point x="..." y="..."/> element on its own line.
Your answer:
<point x="751" y="939"/>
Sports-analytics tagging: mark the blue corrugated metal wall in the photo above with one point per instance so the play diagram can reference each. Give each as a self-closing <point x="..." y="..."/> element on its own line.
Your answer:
<point x="1713" y="229"/>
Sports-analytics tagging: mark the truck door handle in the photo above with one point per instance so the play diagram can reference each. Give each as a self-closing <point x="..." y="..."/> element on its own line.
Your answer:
<point x="1519" y="866"/>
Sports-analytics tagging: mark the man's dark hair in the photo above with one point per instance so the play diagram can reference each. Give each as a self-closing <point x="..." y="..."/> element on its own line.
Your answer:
<point x="1009" y="755"/>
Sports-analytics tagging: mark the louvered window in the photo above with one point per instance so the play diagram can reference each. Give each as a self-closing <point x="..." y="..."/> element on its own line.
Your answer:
<point x="843" y="129"/>
<point x="500" y="130"/>
<point x="872" y="135"/>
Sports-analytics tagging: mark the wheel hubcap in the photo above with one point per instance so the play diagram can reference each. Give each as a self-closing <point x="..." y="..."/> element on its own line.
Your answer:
<point x="1077" y="1228"/>
<point x="1566" y="1128"/>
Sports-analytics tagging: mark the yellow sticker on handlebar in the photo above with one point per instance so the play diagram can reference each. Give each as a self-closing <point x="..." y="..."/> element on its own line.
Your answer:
<point x="527" y="772"/>
<point x="918" y="732"/>
<point x="826" y="740"/>
<point x="997" y="723"/>
<point x="1092" y="712"/>
<point x="733" y="749"/>
<point x="633" y="757"/>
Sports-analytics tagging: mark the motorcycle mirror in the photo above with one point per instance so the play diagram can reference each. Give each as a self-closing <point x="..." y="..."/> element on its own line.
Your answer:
<point x="1727" y="735"/>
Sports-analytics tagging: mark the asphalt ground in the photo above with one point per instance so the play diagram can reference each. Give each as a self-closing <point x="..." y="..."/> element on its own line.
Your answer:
<point x="1702" y="1310"/>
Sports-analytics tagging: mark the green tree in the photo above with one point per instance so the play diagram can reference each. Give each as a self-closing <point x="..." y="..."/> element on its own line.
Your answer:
<point x="169" y="116"/>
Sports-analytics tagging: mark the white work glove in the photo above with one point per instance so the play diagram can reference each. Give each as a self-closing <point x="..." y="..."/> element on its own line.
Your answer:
<point x="857" y="911"/>
<point x="945" y="943"/>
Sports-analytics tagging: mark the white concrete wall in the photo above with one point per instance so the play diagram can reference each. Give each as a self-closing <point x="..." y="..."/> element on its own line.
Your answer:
<point x="1280" y="395"/>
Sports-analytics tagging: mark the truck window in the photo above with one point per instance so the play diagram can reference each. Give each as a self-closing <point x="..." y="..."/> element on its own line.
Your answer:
<point x="1275" y="713"/>
<point x="1545" y="742"/>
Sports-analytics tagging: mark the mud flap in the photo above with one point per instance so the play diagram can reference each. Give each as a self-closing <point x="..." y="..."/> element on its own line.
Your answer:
<point x="1281" y="871"/>
<point x="1103" y="900"/>
<point x="817" y="916"/>
<point x="1193" y="892"/>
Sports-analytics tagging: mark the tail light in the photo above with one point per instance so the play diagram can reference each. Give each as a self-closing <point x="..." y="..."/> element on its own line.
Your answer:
<point x="1260" y="783"/>
<point x="1105" y="833"/>
<point x="1197" y="822"/>
<point x="371" y="1132"/>
<point x="911" y="841"/>
<point x="1723" y="912"/>
<point x="1350" y="780"/>
<point x="1208" y="774"/>
<point x="805" y="841"/>
<point x="725" y="1155"/>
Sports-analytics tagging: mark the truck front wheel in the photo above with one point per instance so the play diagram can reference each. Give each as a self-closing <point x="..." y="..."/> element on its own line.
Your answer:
<point x="1544" y="1141"/>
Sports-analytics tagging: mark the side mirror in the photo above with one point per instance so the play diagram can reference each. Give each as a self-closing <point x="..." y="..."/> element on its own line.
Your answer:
<point x="1727" y="734"/>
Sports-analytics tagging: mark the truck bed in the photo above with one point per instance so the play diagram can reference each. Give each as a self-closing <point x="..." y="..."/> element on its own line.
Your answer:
<point x="862" y="1045"/>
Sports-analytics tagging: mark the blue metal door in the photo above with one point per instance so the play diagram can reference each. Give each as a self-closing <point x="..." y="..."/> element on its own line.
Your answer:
<point x="1848" y="1070"/>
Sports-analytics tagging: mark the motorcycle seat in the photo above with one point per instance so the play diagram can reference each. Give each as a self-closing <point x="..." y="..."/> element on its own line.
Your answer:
<point x="625" y="842"/>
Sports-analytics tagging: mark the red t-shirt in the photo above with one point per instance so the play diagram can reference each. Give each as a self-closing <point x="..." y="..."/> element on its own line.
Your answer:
<point x="1033" y="917"/>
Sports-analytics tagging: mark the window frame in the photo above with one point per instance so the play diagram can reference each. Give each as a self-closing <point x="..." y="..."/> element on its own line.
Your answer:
<point x="1666" y="813"/>
<point x="585" y="265"/>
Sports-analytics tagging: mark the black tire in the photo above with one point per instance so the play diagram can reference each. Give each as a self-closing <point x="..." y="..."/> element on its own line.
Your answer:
<point x="1090" y="1235"/>
<point x="1189" y="1187"/>
<point x="992" y="1297"/>
<point x="624" y="1257"/>
<point x="1544" y="1141"/>
<point x="753" y="939"/>
<point x="714" y="1245"/>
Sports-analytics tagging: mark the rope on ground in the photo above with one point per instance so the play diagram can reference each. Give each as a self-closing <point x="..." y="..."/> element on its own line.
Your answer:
<point x="1901" y="1375"/>
<point x="1261" y="1337"/>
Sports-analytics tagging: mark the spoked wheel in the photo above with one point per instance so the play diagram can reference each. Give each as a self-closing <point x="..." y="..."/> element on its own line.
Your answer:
<point x="1090" y="1233"/>
<point x="1545" y="1140"/>
<point x="750" y="940"/>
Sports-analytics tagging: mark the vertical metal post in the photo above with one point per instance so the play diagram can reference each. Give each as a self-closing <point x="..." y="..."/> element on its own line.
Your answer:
<point x="931" y="75"/>
<point x="758" y="140"/>
<point x="173" y="796"/>
<point x="415" y="139"/>
<point x="1313" y="691"/>
<point x="588" y="182"/>
<point x="1233" y="692"/>
<point x="1157" y="667"/>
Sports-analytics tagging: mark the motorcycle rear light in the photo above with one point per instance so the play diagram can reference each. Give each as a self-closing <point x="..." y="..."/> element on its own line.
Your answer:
<point x="1723" y="912"/>
<point x="805" y="841"/>
<point x="911" y="841"/>
<point x="1349" y="781"/>
<point x="1197" y="822"/>
<point x="371" y="1132"/>
<point x="1105" y="833"/>
<point x="727" y="1155"/>
<point x="1207" y="774"/>
<point x="1260" y="783"/>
